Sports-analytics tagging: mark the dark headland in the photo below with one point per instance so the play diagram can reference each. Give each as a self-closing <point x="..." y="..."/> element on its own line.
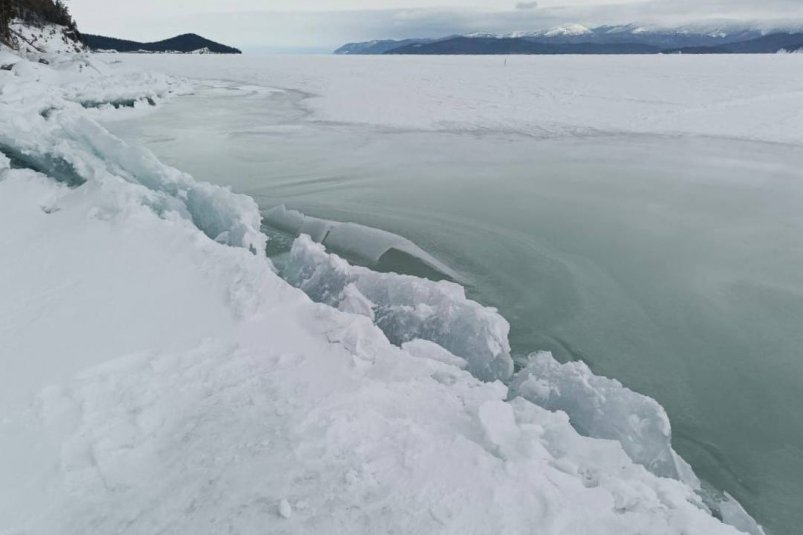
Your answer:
<point x="182" y="44"/>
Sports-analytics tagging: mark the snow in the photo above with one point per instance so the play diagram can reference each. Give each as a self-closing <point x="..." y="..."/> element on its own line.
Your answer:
<point x="285" y="509"/>
<point x="157" y="375"/>
<point x="571" y="29"/>
<point x="429" y="350"/>
<point x="737" y="194"/>
<point x="537" y="96"/>
<point x="44" y="38"/>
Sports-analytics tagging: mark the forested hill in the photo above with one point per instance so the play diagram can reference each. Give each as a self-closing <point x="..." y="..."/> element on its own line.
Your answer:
<point x="187" y="43"/>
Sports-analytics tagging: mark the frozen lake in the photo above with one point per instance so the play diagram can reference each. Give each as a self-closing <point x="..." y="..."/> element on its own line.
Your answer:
<point x="641" y="214"/>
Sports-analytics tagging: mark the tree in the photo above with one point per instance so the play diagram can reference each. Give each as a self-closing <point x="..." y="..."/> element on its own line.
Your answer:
<point x="44" y="11"/>
<point x="7" y="12"/>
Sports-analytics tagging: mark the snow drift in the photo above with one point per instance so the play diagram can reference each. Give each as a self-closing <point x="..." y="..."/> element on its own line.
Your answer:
<point x="159" y="376"/>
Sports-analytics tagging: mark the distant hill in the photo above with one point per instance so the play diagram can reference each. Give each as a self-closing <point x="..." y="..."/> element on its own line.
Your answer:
<point x="768" y="44"/>
<point x="518" y="45"/>
<point x="709" y="38"/>
<point x="377" y="47"/>
<point x="182" y="44"/>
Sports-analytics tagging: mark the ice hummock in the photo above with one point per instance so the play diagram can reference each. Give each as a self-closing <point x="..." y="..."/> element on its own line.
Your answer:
<point x="369" y="246"/>
<point x="603" y="408"/>
<point x="410" y="310"/>
<point x="406" y="308"/>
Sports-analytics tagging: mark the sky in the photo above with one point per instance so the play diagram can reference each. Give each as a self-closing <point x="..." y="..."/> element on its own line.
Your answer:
<point x="322" y="25"/>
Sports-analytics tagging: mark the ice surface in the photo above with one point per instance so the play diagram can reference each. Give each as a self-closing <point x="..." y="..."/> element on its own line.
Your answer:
<point x="156" y="380"/>
<point x="538" y="96"/>
<point x="407" y="308"/>
<point x="391" y="172"/>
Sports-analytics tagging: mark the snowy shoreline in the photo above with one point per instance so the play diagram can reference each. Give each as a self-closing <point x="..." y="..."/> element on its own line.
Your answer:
<point x="161" y="376"/>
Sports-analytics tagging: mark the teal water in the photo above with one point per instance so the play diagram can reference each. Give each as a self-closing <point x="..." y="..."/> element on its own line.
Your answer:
<point x="671" y="264"/>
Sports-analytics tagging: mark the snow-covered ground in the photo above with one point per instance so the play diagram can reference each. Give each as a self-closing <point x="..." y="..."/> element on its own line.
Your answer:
<point x="44" y="38"/>
<point x="157" y="374"/>
<point x="751" y="97"/>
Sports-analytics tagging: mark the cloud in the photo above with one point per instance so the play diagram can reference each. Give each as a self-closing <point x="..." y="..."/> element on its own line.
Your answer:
<point x="323" y="31"/>
<point x="527" y="5"/>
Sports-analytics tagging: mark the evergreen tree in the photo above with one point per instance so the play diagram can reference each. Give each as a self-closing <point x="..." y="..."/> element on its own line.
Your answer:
<point x="39" y="11"/>
<point x="7" y="11"/>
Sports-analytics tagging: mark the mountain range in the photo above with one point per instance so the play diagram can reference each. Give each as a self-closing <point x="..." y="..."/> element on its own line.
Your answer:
<point x="579" y="39"/>
<point x="185" y="44"/>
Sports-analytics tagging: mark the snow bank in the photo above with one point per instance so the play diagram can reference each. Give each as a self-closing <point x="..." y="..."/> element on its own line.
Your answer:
<point x="157" y="376"/>
<point x="406" y="308"/>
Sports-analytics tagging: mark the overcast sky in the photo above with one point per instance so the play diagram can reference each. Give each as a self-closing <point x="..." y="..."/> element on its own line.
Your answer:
<point x="321" y="25"/>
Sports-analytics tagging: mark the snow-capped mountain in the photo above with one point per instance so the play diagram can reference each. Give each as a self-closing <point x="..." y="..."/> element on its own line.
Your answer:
<point x="633" y="38"/>
<point x="571" y="29"/>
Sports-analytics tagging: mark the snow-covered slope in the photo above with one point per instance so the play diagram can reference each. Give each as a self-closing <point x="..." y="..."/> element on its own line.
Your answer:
<point x="570" y="29"/>
<point x="157" y="375"/>
<point x="43" y="38"/>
